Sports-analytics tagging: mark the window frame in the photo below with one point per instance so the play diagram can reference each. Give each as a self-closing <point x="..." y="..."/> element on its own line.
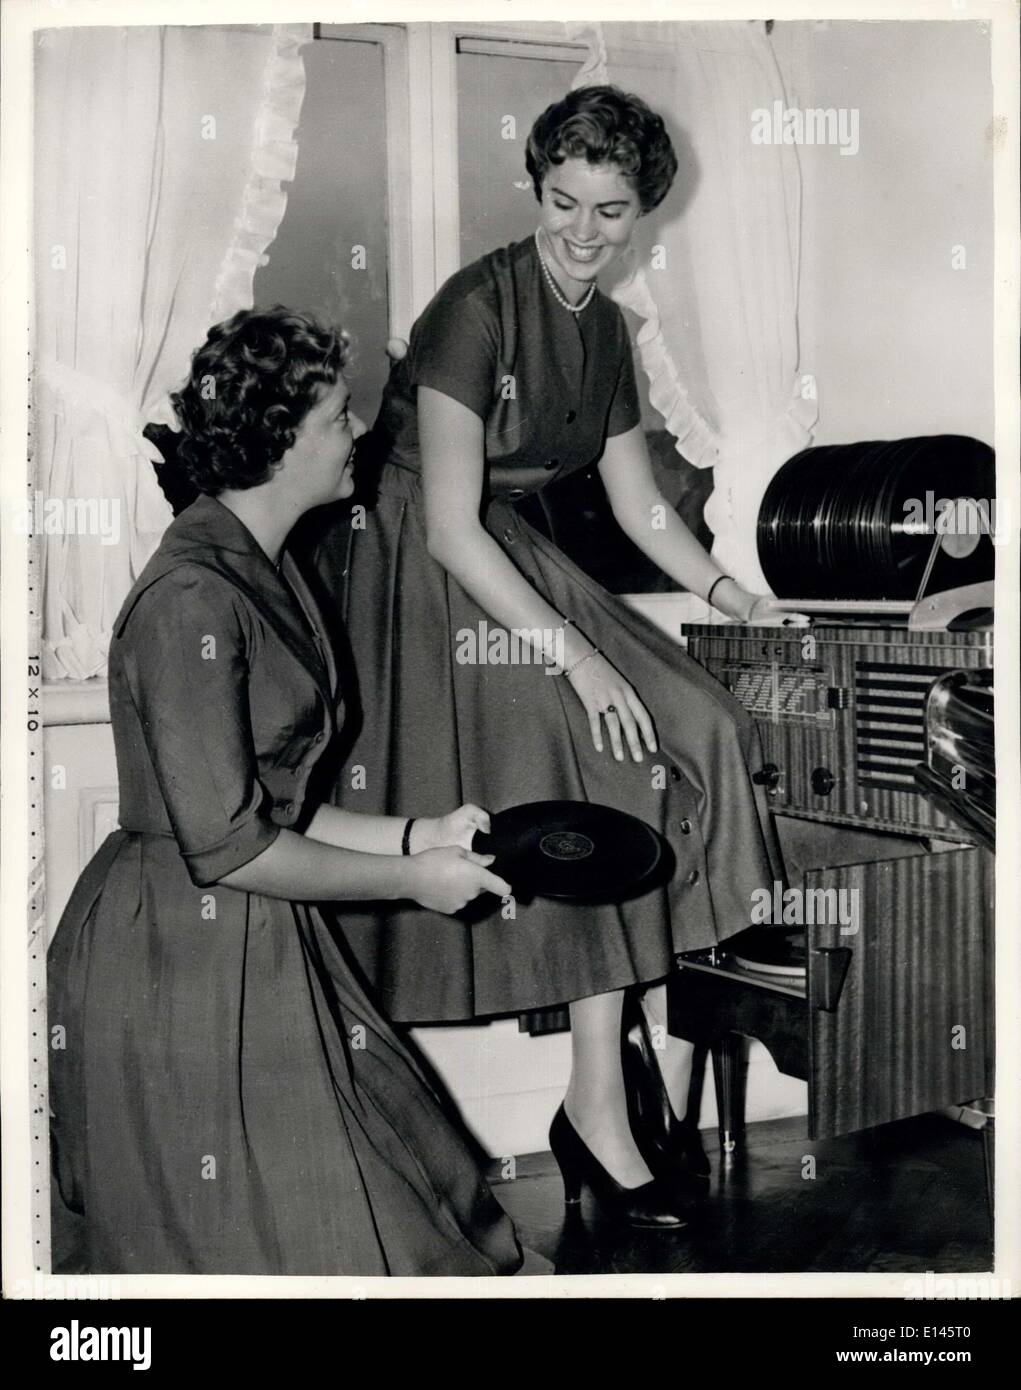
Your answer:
<point x="409" y="223"/>
<point x="538" y="40"/>
<point x="420" y="92"/>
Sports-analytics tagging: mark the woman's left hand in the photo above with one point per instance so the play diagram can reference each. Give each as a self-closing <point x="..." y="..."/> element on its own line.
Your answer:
<point x="457" y="828"/>
<point x="760" y="607"/>
<point x="763" y="608"/>
<point x="740" y="603"/>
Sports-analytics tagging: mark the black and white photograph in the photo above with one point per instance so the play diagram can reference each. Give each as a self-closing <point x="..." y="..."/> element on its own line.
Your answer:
<point x="504" y="519"/>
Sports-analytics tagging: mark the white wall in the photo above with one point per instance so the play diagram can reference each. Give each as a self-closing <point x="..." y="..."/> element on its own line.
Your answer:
<point x="508" y="1085"/>
<point x="900" y="342"/>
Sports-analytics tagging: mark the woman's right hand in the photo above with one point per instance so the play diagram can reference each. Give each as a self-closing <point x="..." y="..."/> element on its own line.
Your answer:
<point x="607" y="695"/>
<point x="447" y="879"/>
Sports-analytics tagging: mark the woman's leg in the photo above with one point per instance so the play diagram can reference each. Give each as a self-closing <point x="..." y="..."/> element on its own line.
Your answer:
<point x="595" y="1102"/>
<point x="674" y="1055"/>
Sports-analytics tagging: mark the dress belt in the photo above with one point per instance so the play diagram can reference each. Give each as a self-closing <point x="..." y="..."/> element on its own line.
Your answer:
<point x="503" y="483"/>
<point x="508" y="484"/>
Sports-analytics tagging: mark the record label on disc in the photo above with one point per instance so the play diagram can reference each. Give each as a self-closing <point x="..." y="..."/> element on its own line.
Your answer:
<point x="566" y="844"/>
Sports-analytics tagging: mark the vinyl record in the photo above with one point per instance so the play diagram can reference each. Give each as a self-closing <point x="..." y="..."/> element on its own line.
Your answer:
<point x="571" y="849"/>
<point x="770" y="951"/>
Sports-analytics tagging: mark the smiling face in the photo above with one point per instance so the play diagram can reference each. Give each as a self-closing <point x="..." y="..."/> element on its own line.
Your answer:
<point x="321" y="457"/>
<point x="588" y="214"/>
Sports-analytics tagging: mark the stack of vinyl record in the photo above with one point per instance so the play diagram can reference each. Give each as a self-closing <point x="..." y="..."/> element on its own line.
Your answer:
<point x="858" y="521"/>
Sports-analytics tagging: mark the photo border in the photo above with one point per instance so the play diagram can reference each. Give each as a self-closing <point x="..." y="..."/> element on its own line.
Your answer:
<point x="22" y="974"/>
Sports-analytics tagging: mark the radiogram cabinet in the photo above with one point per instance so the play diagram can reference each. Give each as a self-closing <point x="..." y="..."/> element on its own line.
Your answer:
<point x="895" y="1015"/>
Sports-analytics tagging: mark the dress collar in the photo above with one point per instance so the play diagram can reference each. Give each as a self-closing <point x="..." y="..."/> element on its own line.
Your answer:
<point x="207" y="533"/>
<point x="208" y="521"/>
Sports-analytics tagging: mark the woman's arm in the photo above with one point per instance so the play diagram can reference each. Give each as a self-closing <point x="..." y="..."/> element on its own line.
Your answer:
<point x="302" y="869"/>
<point x="452" y="442"/>
<point x="191" y="698"/>
<point x="352" y="830"/>
<point x="385" y="834"/>
<point x="645" y="516"/>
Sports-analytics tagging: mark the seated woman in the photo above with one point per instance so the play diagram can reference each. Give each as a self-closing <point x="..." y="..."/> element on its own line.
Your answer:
<point x="227" y="1100"/>
<point x="519" y="373"/>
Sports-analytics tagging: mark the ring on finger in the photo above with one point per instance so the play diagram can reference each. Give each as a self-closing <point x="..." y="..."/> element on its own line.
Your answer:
<point x="610" y="709"/>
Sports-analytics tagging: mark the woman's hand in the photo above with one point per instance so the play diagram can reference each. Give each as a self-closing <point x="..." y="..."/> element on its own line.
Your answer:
<point x="763" y="608"/>
<point x="457" y="828"/>
<point x="446" y="880"/>
<point x="606" y="695"/>
<point x="737" y="602"/>
<point x="759" y="607"/>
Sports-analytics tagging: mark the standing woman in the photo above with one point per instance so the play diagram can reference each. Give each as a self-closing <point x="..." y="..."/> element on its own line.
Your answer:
<point x="518" y="373"/>
<point x="227" y="1100"/>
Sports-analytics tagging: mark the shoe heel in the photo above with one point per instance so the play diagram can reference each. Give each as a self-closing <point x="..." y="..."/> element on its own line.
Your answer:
<point x="671" y="1146"/>
<point x="651" y="1205"/>
<point x="560" y="1148"/>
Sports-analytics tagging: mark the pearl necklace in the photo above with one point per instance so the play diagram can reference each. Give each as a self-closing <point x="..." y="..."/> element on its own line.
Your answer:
<point x="571" y="308"/>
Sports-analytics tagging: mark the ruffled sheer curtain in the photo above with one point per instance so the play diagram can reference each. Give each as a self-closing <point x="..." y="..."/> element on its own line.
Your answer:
<point x="714" y="277"/>
<point x="159" y="158"/>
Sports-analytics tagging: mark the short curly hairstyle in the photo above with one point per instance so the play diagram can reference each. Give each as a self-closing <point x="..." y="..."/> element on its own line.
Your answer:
<point x="251" y="384"/>
<point x="605" y="126"/>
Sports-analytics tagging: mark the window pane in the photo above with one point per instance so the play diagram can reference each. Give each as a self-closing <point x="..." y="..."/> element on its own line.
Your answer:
<point x="336" y="205"/>
<point x="497" y="200"/>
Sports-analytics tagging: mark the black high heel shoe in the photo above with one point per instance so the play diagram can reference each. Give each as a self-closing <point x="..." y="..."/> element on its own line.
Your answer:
<point x="672" y="1148"/>
<point x="651" y="1205"/>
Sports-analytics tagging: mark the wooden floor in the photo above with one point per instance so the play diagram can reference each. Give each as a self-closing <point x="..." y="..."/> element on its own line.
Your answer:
<point x="908" y="1197"/>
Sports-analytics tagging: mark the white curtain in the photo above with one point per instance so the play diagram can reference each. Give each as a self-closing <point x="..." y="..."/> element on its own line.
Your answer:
<point x="714" y="276"/>
<point x="159" y="155"/>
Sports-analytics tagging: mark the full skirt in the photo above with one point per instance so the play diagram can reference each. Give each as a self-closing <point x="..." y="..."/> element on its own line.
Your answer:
<point x="226" y="1099"/>
<point x="437" y="731"/>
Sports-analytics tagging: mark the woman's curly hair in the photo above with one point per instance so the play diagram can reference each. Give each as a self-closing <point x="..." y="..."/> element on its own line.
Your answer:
<point x="605" y="126"/>
<point x="251" y="384"/>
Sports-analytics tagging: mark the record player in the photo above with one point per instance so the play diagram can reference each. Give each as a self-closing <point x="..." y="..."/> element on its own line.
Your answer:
<point x="876" y="721"/>
<point x="888" y="548"/>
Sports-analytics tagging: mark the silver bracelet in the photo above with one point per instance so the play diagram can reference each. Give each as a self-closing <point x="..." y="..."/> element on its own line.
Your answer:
<point x="551" y="658"/>
<point x="581" y="661"/>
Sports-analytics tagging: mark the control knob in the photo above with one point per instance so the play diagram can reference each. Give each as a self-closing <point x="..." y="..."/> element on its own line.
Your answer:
<point x="768" y="776"/>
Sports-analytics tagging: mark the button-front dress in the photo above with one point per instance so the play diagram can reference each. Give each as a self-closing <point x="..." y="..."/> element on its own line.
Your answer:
<point x="550" y="387"/>
<point x="225" y="1098"/>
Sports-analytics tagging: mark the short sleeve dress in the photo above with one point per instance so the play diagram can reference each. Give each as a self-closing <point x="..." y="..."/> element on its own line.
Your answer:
<point x="550" y="386"/>
<point x="227" y="1099"/>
